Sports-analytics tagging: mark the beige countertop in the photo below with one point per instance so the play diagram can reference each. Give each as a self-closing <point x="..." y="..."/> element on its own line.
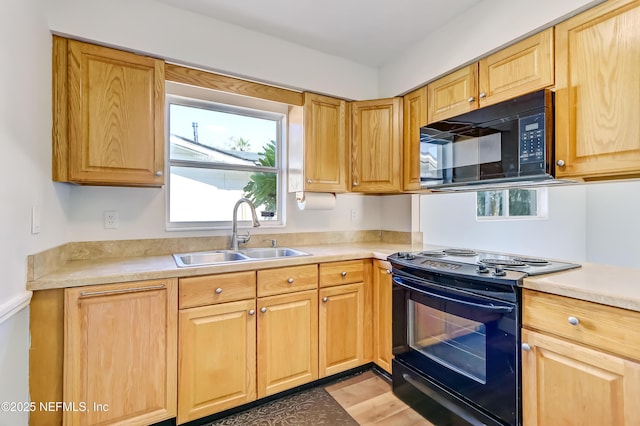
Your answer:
<point x="609" y="285"/>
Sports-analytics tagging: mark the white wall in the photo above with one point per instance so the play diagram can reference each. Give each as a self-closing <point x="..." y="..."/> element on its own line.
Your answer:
<point x="450" y="220"/>
<point x="595" y="222"/>
<point x="613" y="227"/>
<point x="483" y="28"/>
<point x="25" y="138"/>
<point x="184" y="37"/>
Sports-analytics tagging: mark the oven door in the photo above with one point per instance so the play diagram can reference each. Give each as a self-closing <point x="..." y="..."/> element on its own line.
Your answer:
<point x="463" y="342"/>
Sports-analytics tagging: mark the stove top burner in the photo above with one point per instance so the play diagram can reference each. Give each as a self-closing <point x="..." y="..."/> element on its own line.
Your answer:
<point x="432" y="253"/>
<point x="460" y="252"/>
<point x="502" y="262"/>
<point x="532" y="261"/>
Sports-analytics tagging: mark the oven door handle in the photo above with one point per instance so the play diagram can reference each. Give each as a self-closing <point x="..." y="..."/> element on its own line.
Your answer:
<point x="492" y="308"/>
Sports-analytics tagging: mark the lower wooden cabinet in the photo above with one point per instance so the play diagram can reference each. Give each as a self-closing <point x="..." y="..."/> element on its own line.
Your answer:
<point x="120" y="353"/>
<point x="580" y="362"/>
<point x="287" y="341"/>
<point x="217" y="364"/>
<point x="341" y="328"/>
<point x="382" y="300"/>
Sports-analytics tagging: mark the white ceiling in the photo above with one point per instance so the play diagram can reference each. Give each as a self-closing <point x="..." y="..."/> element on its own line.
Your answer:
<point x="370" y="32"/>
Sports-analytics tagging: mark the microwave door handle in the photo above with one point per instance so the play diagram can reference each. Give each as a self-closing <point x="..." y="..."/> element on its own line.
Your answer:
<point x="492" y="308"/>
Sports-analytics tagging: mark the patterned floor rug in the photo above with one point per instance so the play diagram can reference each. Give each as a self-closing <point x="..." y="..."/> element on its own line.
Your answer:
<point x="311" y="407"/>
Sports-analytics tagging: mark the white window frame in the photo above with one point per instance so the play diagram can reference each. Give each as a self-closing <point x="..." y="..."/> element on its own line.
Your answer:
<point x="182" y="94"/>
<point x="542" y="206"/>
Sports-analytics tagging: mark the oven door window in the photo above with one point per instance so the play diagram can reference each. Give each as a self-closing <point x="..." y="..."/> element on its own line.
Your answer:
<point x="452" y="341"/>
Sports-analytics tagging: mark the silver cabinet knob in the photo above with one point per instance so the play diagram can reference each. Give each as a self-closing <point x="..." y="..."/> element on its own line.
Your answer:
<point x="290" y="280"/>
<point x="344" y="274"/>
<point x="526" y="347"/>
<point x="573" y="320"/>
<point x="218" y="290"/>
<point x="560" y="163"/>
<point x="483" y="95"/>
<point x="252" y="312"/>
<point x="325" y="299"/>
<point x="159" y="173"/>
<point x="471" y="99"/>
<point x="309" y="181"/>
<point x="388" y="271"/>
<point x="263" y="309"/>
<point x="355" y="183"/>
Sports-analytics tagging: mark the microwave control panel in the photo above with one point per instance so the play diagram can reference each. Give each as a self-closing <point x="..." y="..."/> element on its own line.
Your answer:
<point x="532" y="142"/>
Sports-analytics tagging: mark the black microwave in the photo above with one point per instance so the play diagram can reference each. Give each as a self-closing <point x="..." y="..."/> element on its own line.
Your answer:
<point x="502" y="144"/>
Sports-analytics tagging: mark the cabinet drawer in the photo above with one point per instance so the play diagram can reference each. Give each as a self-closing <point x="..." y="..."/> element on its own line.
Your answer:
<point x="608" y="328"/>
<point x="211" y="289"/>
<point x="285" y="280"/>
<point x="336" y="273"/>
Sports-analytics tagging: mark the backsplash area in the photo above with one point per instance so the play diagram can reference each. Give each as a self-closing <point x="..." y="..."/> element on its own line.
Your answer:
<point x="594" y="222"/>
<point x="45" y="262"/>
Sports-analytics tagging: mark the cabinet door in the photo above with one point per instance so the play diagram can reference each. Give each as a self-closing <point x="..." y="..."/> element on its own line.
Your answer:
<point x="382" y="342"/>
<point x="567" y="384"/>
<point x="415" y="116"/>
<point x="115" y="110"/>
<point x="120" y="355"/>
<point x="376" y="144"/>
<point x="287" y="341"/>
<point x="521" y="68"/>
<point x="217" y="367"/>
<point x="453" y="94"/>
<point x="597" y="92"/>
<point x="341" y="334"/>
<point x="325" y="144"/>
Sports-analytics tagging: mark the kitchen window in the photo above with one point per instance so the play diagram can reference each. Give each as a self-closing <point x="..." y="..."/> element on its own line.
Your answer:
<point x="223" y="147"/>
<point x="514" y="203"/>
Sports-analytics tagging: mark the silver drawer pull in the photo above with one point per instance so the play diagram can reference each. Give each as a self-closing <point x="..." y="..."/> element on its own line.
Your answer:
<point x="573" y="320"/>
<point x="325" y="299"/>
<point x="218" y="290"/>
<point x="526" y="347"/>
<point x="252" y="312"/>
<point x="119" y="291"/>
<point x="290" y="280"/>
<point x="388" y="271"/>
<point x="344" y="274"/>
<point x="263" y="309"/>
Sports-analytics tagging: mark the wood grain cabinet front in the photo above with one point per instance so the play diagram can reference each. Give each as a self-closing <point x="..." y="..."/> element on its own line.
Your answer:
<point x="382" y="300"/>
<point x="108" y="116"/>
<point x="376" y="146"/>
<point x="217" y="363"/>
<point x="523" y="67"/>
<point x="597" y="92"/>
<point x="318" y="149"/>
<point x="120" y="353"/>
<point x="580" y="362"/>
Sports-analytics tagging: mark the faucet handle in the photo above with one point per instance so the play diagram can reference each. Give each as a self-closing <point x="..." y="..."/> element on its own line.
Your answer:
<point x="243" y="239"/>
<point x="274" y="242"/>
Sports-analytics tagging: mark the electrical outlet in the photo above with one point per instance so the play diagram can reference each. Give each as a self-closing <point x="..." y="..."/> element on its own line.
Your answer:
<point x="110" y="219"/>
<point x="35" y="219"/>
<point x="354" y="215"/>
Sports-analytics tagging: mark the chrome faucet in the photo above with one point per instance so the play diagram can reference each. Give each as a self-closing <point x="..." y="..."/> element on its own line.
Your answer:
<point x="242" y="239"/>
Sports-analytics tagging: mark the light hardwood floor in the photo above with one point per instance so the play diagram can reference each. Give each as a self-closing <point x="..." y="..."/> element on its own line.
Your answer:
<point x="369" y="399"/>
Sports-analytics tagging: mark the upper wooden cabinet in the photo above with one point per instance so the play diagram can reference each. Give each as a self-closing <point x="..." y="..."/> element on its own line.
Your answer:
<point x="318" y="145"/>
<point x="376" y="145"/>
<point x="597" y="92"/>
<point x="414" y="117"/>
<point x="521" y="68"/>
<point x="120" y="352"/>
<point x="108" y="116"/>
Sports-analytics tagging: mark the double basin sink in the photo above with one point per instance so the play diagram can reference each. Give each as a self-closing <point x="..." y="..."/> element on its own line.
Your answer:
<point x="216" y="257"/>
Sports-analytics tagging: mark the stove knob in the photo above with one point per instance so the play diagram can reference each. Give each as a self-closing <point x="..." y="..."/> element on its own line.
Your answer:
<point x="409" y="256"/>
<point x="401" y="254"/>
<point x="499" y="272"/>
<point x="482" y="269"/>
